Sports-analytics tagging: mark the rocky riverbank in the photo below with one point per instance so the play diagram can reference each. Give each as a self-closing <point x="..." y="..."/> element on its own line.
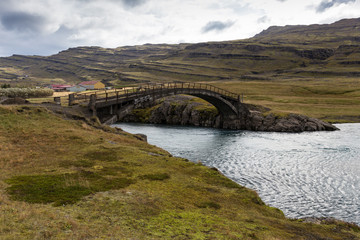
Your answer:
<point x="187" y="110"/>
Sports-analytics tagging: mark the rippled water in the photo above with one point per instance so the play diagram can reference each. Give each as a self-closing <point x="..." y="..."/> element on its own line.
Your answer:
<point x="303" y="174"/>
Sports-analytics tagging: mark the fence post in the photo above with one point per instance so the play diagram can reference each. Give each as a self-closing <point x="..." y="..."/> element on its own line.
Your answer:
<point x="57" y="100"/>
<point x="71" y="99"/>
<point x="92" y="103"/>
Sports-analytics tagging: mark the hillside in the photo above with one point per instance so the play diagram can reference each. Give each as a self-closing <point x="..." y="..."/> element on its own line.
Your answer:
<point x="279" y="52"/>
<point x="312" y="70"/>
<point x="73" y="179"/>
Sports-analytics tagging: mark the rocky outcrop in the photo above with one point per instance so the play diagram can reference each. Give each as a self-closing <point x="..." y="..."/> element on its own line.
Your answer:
<point x="286" y="123"/>
<point x="186" y="110"/>
<point x="319" y="54"/>
<point x="177" y="110"/>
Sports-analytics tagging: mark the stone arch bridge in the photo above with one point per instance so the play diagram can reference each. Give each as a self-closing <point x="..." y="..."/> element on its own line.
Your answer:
<point x="115" y="104"/>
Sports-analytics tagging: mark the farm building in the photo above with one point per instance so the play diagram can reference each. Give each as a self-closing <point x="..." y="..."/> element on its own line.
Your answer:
<point x="92" y="85"/>
<point x="59" y="87"/>
<point x="76" y="88"/>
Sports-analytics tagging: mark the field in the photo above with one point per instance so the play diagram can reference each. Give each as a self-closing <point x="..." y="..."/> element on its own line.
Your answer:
<point x="332" y="100"/>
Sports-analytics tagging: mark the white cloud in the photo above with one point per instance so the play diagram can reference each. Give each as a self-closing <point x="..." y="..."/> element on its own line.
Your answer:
<point x="46" y="27"/>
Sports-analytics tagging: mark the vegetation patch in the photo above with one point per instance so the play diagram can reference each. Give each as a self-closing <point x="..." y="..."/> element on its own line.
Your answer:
<point x="207" y="111"/>
<point x="156" y="176"/>
<point x="184" y="225"/>
<point x="62" y="188"/>
<point x="107" y="155"/>
<point x="213" y="205"/>
<point x="213" y="176"/>
<point x="79" y="163"/>
<point x="143" y="114"/>
<point x="115" y="170"/>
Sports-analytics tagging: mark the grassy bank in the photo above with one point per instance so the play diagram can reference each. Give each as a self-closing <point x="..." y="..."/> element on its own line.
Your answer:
<point x="333" y="100"/>
<point x="66" y="179"/>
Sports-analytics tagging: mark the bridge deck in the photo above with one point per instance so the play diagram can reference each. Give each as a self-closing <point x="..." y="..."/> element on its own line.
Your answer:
<point x="119" y="96"/>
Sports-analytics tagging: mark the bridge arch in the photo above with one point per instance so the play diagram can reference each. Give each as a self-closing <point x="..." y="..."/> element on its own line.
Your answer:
<point x="120" y="101"/>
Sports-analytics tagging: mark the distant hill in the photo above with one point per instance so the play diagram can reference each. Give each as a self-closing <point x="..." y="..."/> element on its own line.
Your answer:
<point x="329" y="50"/>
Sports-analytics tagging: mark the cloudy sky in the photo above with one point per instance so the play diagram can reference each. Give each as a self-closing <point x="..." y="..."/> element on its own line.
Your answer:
<point x="45" y="27"/>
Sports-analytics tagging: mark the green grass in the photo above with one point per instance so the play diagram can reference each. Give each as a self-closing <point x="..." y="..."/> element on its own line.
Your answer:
<point x="46" y="189"/>
<point x="155" y="176"/>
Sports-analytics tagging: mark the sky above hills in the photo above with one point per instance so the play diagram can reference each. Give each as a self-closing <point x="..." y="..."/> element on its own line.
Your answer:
<point x="43" y="27"/>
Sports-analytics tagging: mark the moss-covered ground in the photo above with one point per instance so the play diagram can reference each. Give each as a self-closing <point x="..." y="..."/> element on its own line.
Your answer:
<point x="66" y="179"/>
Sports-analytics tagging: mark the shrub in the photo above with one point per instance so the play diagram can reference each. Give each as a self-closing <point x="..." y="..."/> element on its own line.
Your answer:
<point x="5" y="86"/>
<point x="25" y="92"/>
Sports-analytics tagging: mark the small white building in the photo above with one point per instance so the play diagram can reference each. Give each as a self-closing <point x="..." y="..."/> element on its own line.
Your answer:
<point x="76" y="88"/>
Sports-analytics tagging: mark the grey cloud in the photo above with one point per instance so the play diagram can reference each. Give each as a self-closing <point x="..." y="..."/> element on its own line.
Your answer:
<point x="263" y="19"/>
<point x="216" y="26"/>
<point x="37" y="44"/>
<point x="21" y="21"/>
<point x="326" y="4"/>
<point x="133" y="3"/>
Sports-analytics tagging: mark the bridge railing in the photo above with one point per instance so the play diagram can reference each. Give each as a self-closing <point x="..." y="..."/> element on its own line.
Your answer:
<point x="123" y="93"/>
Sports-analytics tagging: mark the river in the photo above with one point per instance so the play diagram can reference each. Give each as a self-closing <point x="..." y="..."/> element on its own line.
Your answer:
<point x="311" y="174"/>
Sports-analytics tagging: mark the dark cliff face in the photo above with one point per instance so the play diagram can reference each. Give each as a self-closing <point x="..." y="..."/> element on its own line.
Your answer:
<point x="186" y="110"/>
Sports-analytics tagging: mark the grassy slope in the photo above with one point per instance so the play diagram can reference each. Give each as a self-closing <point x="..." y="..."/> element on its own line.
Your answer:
<point x="85" y="183"/>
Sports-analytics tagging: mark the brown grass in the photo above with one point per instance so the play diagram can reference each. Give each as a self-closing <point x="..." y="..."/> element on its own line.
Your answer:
<point x="326" y="99"/>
